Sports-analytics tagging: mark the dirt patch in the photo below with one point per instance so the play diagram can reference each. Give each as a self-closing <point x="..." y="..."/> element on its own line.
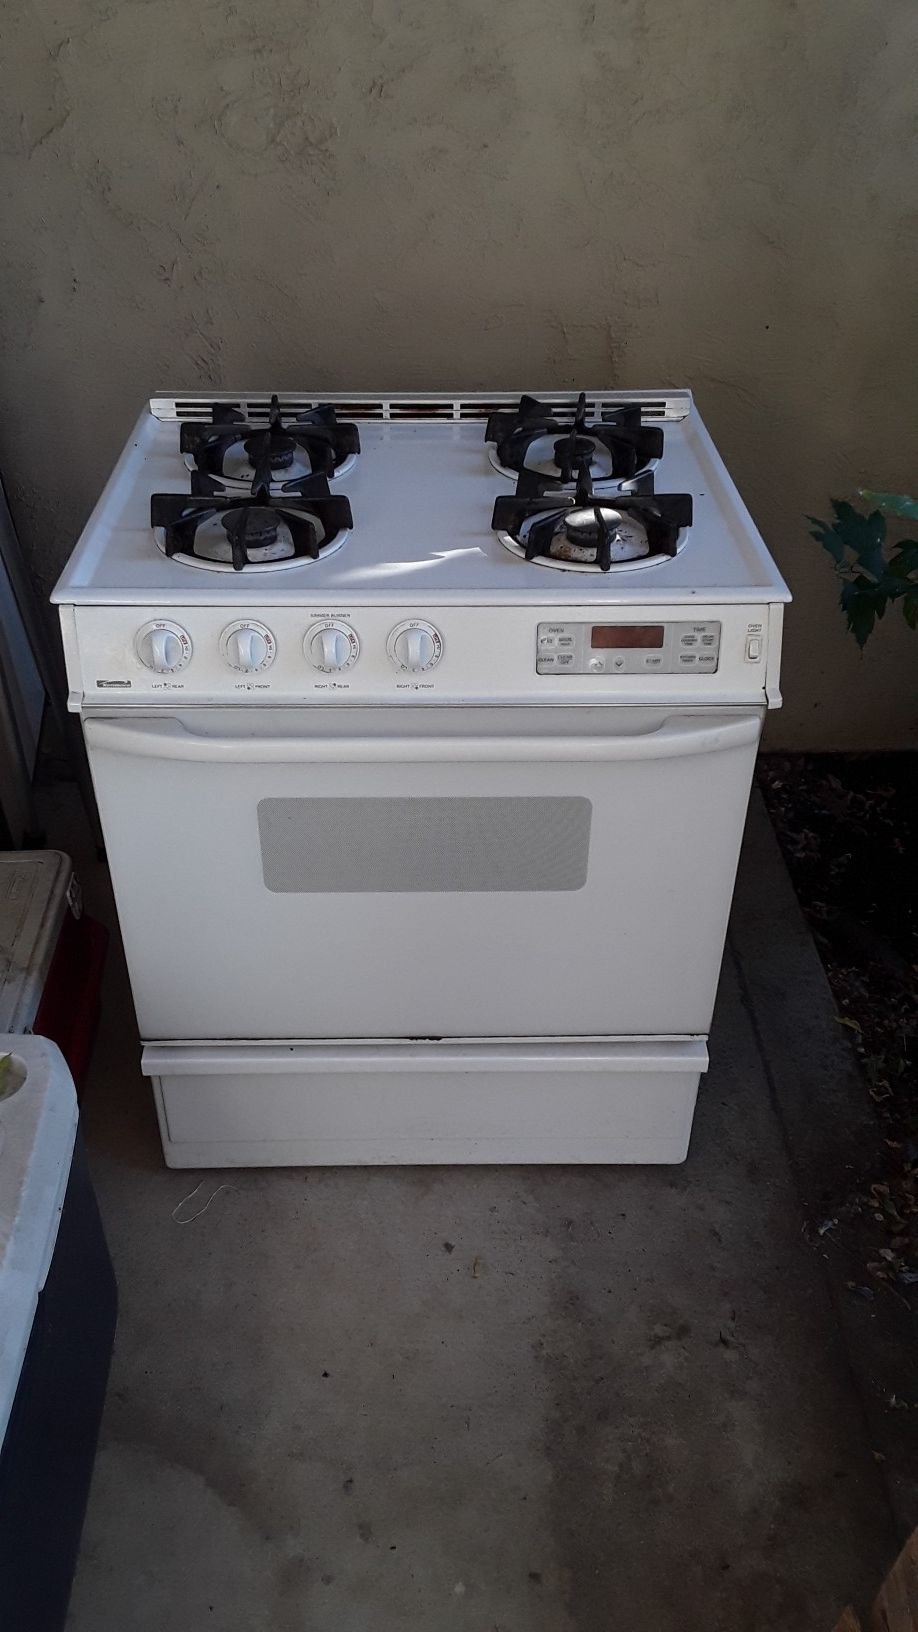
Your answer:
<point x="848" y="825"/>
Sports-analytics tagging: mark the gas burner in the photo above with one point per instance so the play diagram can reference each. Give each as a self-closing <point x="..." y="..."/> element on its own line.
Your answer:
<point x="243" y="456"/>
<point x="581" y="534"/>
<point x="258" y="533"/>
<point x="590" y="531"/>
<point x="546" y="441"/>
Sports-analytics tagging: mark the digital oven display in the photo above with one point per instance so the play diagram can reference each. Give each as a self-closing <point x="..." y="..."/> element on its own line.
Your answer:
<point x="626" y="635"/>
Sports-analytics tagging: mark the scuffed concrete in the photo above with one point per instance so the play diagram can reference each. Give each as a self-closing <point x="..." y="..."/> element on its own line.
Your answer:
<point x="529" y="1400"/>
<point x="547" y="1399"/>
<point x="351" y="193"/>
<point x="836" y="1143"/>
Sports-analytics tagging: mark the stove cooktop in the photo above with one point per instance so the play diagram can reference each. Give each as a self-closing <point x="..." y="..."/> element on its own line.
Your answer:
<point x="427" y="500"/>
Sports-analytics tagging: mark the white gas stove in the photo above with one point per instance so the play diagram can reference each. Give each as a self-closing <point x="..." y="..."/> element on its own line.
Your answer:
<point x="422" y="730"/>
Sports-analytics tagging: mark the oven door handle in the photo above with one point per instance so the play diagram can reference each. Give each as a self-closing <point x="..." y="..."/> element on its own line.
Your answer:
<point x="170" y="739"/>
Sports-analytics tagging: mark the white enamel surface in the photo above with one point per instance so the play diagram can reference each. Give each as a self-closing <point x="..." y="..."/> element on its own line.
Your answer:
<point x="636" y="950"/>
<point x="561" y="1101"/>
<point x="422" y="496"/>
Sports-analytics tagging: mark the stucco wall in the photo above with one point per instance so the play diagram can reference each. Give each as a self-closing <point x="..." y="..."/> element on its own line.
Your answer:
<point x="460" y="193"/>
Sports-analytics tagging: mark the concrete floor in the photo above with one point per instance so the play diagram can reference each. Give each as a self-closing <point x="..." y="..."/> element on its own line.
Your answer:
<point x="474" y="1400"/>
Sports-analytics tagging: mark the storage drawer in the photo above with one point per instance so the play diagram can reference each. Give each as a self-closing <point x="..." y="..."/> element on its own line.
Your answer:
<point x="316" y="1105"/>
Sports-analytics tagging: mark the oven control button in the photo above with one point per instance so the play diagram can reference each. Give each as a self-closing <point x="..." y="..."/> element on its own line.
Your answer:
<point x="247" y="647"/>
<point x="163" y="647"/>
<point x="415" y="646"/>
<point x="331" y="647"/>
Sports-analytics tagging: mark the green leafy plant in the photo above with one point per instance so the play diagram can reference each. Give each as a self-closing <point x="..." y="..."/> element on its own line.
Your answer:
<point x="874" y="570"/>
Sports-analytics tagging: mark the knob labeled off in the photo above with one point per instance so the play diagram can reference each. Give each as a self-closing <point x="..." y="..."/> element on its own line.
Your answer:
<point x="331" y="647"/>
<point x="248" y="647"/>
<point x="163" y="646"/>
<point x="415" y="646"/>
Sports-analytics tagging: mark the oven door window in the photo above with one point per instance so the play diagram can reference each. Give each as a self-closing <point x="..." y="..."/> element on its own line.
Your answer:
<point x="403" y="846"/>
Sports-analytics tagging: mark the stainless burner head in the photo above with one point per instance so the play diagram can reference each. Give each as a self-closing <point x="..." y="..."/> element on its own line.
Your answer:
<point x="577" y="536"/>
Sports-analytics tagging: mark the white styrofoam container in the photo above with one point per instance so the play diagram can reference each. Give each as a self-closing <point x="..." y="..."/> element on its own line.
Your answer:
<point x="35" y="888"/>
<point x="38" y="1121"/>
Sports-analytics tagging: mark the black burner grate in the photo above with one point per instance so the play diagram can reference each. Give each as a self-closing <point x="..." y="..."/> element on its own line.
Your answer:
<point x="312" y="516"/>
<point x="584" y="516"/>
<point x="632" y="447"/>
<point x="270" y="448"/>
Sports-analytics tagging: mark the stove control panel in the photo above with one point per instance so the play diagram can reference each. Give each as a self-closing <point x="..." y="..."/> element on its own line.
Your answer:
<point x="627" y="648"/>
<point x="343" y="654"/>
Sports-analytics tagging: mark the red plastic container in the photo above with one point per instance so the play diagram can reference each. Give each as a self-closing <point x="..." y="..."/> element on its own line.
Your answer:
<point x="51" y="955"/>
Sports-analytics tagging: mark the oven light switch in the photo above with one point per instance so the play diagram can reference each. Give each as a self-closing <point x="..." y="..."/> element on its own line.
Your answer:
<point x="753" y="648"/>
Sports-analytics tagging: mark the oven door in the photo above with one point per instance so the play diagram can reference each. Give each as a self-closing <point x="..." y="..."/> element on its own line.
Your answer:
<point x="516" y="872"/>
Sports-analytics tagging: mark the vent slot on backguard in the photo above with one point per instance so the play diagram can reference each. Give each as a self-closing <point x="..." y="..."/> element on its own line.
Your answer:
<point x="256" y="406"/>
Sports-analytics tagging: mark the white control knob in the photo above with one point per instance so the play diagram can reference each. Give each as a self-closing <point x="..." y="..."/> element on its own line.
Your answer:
<point x="415" y="646"/>
<point x="163" y="647"/>
<point x="331" y="647"/>
<point x="248" y="647"/>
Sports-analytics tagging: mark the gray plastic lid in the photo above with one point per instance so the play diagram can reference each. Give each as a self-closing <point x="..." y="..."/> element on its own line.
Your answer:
<point x="34" y="887"/>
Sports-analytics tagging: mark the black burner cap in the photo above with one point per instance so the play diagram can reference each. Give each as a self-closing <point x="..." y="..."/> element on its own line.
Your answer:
<point x="575" y="447"/>
<point x="280" y="449"/>
<point x="252" y="526"/>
